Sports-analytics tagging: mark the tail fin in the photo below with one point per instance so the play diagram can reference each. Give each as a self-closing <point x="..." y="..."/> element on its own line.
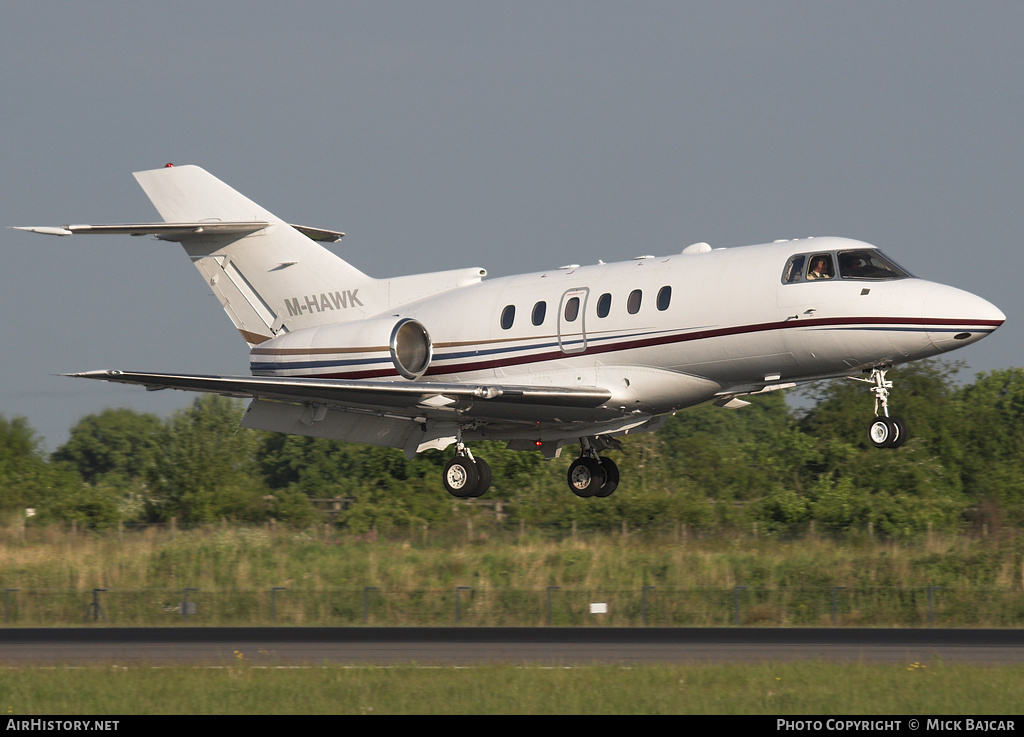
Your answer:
<point x="272" y="280"/>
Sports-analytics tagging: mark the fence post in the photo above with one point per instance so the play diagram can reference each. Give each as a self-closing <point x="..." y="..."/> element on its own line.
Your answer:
<point x="931" y="613"/>
<point x="184" y="603"/>
<point x="95" y="607"/>
<point x="736" y="602"/>
<point x="550" y="589"/>
<point x="458" y="613"/>
<point x="835" y="611"/>
<point x="366" y="602"/>
<point x="643" y="604"/>
<point x="7" y="607"/>
<point x="273" y="602"/>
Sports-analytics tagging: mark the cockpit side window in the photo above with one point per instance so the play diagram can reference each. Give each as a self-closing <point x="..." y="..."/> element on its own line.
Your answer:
<point x="821" y="267"/>
<point x="868" y="264"/>
<point x="794" y="270"/>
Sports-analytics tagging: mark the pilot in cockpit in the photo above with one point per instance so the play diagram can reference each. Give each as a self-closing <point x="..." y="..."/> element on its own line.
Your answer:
<point x="821" y="268"/>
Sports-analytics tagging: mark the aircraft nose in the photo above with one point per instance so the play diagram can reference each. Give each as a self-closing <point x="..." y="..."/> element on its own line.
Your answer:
<point x="957" y="318"/>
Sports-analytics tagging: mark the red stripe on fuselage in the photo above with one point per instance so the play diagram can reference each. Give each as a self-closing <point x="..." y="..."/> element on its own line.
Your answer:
<point x="634" y="344"/>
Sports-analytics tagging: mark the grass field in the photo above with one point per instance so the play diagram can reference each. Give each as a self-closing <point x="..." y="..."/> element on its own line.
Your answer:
<point x="509" y="576"/>
<point x="495" y="577"/>
<point x="775" y="689"/>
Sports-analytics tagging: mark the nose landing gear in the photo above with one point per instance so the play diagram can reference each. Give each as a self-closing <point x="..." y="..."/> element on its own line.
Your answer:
<point x="887" y="432"/>
<point x="884" y="431"/>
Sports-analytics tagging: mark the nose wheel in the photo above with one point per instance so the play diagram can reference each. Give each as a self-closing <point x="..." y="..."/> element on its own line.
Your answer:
<point x="884" y="431"/>
<point x="887" y="432"/>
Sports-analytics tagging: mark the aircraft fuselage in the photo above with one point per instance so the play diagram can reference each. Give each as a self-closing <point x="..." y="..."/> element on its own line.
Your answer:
<point x="660" y="333"/>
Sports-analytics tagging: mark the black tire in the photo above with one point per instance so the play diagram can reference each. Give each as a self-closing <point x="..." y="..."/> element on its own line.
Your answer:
<point x="899" y="432"/>
<point x="484" y="481"/>
<point x="887" y="432"/>
<point x="461" y="477"/>
<point x="611" y="478"/>
<point x="586" y="477"/>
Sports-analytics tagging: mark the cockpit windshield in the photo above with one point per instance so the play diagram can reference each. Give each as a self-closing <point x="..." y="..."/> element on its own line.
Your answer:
<point x="868" y="264"/>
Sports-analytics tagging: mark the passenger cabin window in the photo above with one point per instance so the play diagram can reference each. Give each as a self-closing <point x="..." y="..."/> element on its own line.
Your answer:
<point x="572" y="309"/>
<point x="821" y="267"/>
<point x="508" y="316"/>
<point x="604" y="305"/>
<point x="664" y="297"/>
<point x="633" y="303"/>
<point x="868" y="264"/>
<point x="540" y="310"/>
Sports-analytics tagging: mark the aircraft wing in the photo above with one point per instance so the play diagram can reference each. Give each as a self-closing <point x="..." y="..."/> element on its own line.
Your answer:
<point x="406" y="398"/>
<point x="178" y="231"/>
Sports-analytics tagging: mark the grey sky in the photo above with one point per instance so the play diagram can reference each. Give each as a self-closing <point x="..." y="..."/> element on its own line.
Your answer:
<point x="515" y="136"/>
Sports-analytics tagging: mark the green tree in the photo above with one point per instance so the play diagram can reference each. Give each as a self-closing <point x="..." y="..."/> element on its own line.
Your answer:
<point x="206" y="468"/>
<point x="900" y="491"/>
<point x="22" y="467"/>
<point x="65" y="497"/>
<point x="54" y="491"/>
<point x="991" y="435"/>
<point x="115" y="441"/>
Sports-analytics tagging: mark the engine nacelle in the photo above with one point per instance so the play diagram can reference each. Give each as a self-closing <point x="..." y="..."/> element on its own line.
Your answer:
<point x="411" y="349"/>
<point x="374" y="348"/>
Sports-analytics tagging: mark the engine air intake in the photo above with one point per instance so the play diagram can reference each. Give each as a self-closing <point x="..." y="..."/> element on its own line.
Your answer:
<point x="411" y="349"/>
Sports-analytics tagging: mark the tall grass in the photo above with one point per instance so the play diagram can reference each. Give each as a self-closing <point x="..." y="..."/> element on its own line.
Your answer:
<point x="499" y="577"/>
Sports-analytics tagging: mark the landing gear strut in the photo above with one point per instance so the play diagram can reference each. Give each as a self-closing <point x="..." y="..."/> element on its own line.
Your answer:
<point x="884" y="431"/>
<point x="590" y="475"/>
<point x="466" y="476"/>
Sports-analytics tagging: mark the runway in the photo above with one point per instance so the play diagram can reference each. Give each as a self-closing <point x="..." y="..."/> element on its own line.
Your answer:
<point x="465" y="646"/>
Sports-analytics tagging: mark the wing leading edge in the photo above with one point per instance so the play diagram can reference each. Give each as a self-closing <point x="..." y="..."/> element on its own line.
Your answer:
<point x="181" y="231"/>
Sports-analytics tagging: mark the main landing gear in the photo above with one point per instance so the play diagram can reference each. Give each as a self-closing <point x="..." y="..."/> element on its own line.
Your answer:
<point x="466" y="476"/>
<point x="591" y="475"/>
<point x="884" y="431"/>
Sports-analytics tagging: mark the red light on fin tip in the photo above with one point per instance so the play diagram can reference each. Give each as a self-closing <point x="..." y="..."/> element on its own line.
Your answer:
<point x="168" y="166"/>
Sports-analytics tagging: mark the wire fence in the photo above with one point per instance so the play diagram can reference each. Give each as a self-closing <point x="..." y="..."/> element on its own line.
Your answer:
<point x="804" y="606"/>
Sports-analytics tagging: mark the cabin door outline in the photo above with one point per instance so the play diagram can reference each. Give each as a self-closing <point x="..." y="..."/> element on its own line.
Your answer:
<point x="572" y="317"/>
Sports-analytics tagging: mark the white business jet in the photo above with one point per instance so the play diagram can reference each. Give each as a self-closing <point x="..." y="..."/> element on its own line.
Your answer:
<point x="576" y="354"/>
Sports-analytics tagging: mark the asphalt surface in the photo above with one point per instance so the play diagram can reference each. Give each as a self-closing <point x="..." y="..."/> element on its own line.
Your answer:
<point x="286" y="646"/>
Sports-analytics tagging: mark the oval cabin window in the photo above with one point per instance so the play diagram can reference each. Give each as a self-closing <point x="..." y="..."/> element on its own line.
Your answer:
<point x="633" y="303"/>
<point x="572" y="309"/>
<point x="508" y="316"/>
<point x="664" y="298"/>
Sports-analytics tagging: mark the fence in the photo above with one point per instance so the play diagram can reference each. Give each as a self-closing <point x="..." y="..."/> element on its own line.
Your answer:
<point x="554" y="606"/>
